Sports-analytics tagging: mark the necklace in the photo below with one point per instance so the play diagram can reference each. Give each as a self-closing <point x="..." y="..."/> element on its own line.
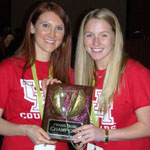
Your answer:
<point x="100" y="73"/>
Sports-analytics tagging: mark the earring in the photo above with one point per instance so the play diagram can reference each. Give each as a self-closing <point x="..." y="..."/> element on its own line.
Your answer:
<point x="32" y="31"/>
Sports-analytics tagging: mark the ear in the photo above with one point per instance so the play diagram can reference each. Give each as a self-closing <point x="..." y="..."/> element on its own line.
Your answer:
<point x="32" y="29"/>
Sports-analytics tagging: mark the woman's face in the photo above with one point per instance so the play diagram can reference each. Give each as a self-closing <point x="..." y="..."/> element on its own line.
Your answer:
<point x="99" y="41"/>
<point x="49" y="32"/>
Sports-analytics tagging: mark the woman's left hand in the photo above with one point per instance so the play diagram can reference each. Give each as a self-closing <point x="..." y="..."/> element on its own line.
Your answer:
<point x="88" y="133"/>
<point x="46" y="82"/>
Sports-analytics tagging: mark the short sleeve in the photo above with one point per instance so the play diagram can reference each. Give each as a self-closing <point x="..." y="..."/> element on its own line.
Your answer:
<point x="138" y="79"/>
<point x="5" y="82"/>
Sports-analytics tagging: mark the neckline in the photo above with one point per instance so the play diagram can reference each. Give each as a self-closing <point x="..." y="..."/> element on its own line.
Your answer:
<point x="100" y="73"/>
<point x="43" y="62"/>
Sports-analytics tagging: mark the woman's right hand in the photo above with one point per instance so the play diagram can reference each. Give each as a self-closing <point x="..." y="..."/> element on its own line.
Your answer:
<point x="37" y="135"/>
<point x="88" y="133"/>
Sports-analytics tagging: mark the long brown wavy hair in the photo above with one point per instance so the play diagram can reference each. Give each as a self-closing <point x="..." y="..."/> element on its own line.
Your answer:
<point x="61" y="57"/>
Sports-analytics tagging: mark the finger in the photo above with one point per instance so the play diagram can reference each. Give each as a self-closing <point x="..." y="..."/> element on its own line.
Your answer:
<point x="79" y="146"/>
<point x="51" y="142"/>
<point x="81" y="131"/>
<point x="88" y="138"/>
<point x="57" y="81"/>
<point x="44" y="134"/>
<point x="85" y="139"/>
<point x="82" y="128"/>
<point x="77" y="129"/>
<point x="83" y="136"/>
<point x="78" y="137"/>
<point x="49" y="81"/>
<point x="52" y="81"/>
<point x="45" y="139"/>
<point x="45" y="83"/>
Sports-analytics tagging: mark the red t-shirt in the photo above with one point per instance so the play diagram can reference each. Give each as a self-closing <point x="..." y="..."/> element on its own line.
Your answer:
<point x="134" y="93"/>
<point x="18" y="98"/>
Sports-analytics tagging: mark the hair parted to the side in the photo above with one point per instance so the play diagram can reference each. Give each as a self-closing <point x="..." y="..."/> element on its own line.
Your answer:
<point x="59" y="57"/>
<point x="85" y="66"/>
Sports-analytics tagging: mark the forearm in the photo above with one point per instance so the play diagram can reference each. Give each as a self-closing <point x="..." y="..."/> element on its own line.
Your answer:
<point x="11" y="129"/>
<point x="137" y="130"/>
<point x="36" y="134"/>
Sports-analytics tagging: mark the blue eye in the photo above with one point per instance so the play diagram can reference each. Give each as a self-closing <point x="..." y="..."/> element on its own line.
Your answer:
<point x="104" y="35"/>
<point x="45" y="25"/>
<point x="88" y="35"/>
<point x="60" y="28"/>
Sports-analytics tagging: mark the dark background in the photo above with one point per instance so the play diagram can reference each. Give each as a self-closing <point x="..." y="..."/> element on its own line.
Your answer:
<point x="76" y="9"/>
<point x="133" y="14"/>
<point x="134" y="17"/>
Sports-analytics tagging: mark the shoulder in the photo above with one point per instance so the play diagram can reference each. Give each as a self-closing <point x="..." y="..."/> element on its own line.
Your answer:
<point x="11" y="63"/>
<point x="6" y="67"/>
<point x="134" y="68"/>
<point x="7" y="62"/>
<point x="136" y="74"/>
<point x="137" y="83"/>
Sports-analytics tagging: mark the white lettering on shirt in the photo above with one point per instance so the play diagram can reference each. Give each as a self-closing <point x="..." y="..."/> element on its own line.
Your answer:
<point x="30" y="94"/>
<point x="107" y="121"/>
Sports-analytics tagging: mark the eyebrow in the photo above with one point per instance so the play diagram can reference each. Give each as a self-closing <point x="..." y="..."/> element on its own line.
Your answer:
<point x="99" y="32"/>
<point x="49" y="23"/>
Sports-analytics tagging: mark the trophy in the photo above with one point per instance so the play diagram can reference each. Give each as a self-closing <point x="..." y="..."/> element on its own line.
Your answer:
<point x="67" y="107"/>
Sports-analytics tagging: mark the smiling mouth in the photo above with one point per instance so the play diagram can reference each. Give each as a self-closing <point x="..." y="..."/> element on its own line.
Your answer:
<point x="50" y="41"/>
<point x="97" y="49"/>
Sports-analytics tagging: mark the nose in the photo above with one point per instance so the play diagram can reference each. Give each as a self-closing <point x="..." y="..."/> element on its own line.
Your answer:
<point x="51" y="33"/>
<point x="96" y="41"/>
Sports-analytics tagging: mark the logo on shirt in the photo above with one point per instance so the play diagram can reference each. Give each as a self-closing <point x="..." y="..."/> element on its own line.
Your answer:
<point x="30" y="94"/>
<point x="107" y="120"/>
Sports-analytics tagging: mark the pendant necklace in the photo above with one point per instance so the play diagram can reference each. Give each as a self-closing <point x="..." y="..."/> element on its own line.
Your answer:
<point x="101" y="75"/>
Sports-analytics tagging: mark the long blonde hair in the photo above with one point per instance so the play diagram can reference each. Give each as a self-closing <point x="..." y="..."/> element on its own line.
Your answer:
<point x="85" y="66"/>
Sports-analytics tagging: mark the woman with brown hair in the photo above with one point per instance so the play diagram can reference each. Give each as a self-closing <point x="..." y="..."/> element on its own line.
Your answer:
<point x="45" y="52"/>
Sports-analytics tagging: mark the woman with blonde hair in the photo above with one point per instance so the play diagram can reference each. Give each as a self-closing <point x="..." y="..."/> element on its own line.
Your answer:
<point x="120" y="114"/>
